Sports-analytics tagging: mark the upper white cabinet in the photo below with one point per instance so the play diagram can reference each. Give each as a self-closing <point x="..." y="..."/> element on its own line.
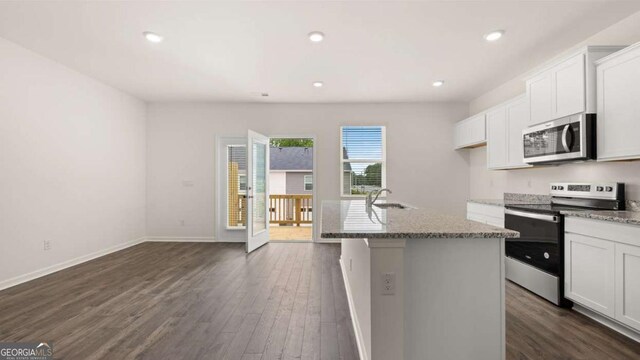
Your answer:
<point x="618" y="120"/>
<point x="505" y="123"/>
<point x="566" y="87"/>
<point x="470" y="132"/>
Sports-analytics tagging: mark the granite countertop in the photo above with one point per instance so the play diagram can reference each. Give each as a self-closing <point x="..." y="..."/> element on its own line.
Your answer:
<point x="514" y="199"/>
<point x="623" y="217"/>
<point x="350" y="219"/>
<point x="496" y="202"/>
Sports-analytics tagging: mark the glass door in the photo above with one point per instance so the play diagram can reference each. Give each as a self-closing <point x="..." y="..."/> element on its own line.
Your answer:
<point x="257" y="190"/>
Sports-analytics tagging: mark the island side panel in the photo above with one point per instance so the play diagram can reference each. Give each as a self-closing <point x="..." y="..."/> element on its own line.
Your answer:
<point x="355" y="261"/>
<point x="454" y="299"/>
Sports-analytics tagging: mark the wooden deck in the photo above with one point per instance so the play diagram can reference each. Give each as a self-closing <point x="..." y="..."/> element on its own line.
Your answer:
<point x="292" y="233"/>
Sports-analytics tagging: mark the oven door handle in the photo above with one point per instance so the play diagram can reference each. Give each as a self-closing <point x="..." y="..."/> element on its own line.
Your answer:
<point x="543" y="217"/>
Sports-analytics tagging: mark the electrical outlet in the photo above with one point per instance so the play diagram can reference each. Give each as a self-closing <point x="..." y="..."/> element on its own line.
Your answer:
<point x="46" y="245"/>
<point x="181" y="222"/>
<point x="388" y="284"/>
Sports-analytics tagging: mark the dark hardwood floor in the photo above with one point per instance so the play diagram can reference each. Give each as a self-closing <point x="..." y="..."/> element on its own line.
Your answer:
<point x="211" y="301"/>
<point x="189" y="301"/>
<point x="536" y="329"/>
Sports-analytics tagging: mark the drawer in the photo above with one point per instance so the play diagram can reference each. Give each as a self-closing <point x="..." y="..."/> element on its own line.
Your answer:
<point x="487" y="210"/>
<point x="622" y="233"/>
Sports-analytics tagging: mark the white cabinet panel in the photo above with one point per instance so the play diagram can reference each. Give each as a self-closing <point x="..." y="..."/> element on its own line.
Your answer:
<point x="627" y="291"/>
<point x="618" y="121"/>
<point x="504" y="134"/>
<point x="486" y="214"/>
<point x="497" y="138"/>
<point x="565" y="87"/>
<point x="539" y="94"/>
<point x="470" y="132"/>
<point x="589" y="272"/>
<point x="517" y="120"/>
<point x="568" y="87"/>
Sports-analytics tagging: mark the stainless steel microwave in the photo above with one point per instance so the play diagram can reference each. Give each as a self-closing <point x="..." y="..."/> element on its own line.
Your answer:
<point x="567" y="139"/>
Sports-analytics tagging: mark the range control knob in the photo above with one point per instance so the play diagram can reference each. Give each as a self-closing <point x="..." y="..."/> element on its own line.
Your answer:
<point x="599" y="188"/>
<point x="560" y="187"/>
<point x="609" y="188"/>
<point x="554" y="187"/>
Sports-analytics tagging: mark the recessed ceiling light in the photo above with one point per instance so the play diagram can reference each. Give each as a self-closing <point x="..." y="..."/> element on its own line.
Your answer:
<point x="494" y="35"/>
<point x="153" y="37"/>
<point x="316" y="36"/>
<point x="318" y="84"/>
<point x="438" y="83"/>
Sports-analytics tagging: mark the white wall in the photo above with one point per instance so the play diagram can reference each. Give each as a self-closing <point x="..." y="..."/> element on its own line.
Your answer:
<point x="422" y="169"/>
<point x="72" y="165"/>
<point x="492" y="184"/>
<point x="277" y="182"/>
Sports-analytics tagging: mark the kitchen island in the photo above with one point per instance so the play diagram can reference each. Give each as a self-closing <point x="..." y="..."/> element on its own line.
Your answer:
<point x="420" y="285"/>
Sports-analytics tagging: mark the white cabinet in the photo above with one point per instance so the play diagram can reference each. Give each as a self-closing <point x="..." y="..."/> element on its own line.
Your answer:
<point x="602" y="268"/>
<point x="589" y="272"/>
<point x="618" y="120"/>
<point x="627" y="286"/>
<point x="505" y="123"/>
<point x="565" y="87"/>
<point x="539" y="95"/>
<point x="470" y="132"/>
<point x="568" y="87"/>
<point x="486" y="214"/>
<point x="497" y="138"/>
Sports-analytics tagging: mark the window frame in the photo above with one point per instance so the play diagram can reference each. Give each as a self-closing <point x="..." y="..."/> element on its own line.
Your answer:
<point x="383" y="161"/>
<point x="305" y="182"/>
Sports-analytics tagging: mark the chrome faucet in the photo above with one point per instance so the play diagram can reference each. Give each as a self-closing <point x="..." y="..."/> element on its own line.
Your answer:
<point x="371" y="199"/>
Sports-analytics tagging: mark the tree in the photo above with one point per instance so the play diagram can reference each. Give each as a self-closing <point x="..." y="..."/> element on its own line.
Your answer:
<point x="373" y="174"/>
<point x="292" y="143"/>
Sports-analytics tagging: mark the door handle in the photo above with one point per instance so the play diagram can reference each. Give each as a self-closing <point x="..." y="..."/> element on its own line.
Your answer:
<point x="565" y="132"/>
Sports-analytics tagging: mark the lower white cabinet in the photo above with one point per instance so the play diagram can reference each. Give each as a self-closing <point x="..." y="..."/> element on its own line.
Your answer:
<point x="602" y="268"/>
<point x="486" y="214"/>
<point x="589" y="272"/>
<point x="628" y="285"/>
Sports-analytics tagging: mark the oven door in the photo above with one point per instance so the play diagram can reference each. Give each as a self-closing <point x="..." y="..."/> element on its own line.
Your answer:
<point x="559" y="140"/>
<point x="540" y="242"/>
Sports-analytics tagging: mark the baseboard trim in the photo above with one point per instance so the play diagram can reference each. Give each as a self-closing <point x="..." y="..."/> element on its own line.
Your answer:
<point x="612" y="324"/>
<point x="180" y="239"/>
<point x="354" y="318"/>
<point x="66" y="264"/>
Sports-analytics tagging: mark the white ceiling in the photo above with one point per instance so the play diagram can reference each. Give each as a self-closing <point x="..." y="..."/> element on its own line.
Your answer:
<point x="373" y="51"/>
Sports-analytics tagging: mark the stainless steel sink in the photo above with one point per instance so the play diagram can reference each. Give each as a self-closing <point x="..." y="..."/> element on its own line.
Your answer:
<point x="390" y="205"/>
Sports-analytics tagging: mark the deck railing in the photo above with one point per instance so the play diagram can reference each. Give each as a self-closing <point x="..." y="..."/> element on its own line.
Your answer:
<point x="283" y="209"/>
<point x="291" y="209"/>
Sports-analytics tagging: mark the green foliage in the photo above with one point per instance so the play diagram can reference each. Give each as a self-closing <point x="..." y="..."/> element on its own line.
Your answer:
<point x="292" y="143"/>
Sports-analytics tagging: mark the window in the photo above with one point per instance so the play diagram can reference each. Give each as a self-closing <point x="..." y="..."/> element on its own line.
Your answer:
<point x="363" y="159"/>
<point x="236" y="186"/>
<point x="308" y="182"/>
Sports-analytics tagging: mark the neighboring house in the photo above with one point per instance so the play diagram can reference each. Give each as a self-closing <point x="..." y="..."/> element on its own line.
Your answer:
<point x="291" y="170"/>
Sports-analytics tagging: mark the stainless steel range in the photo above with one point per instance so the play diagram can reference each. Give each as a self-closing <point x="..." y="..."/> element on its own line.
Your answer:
<point x="536" y="259"/>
